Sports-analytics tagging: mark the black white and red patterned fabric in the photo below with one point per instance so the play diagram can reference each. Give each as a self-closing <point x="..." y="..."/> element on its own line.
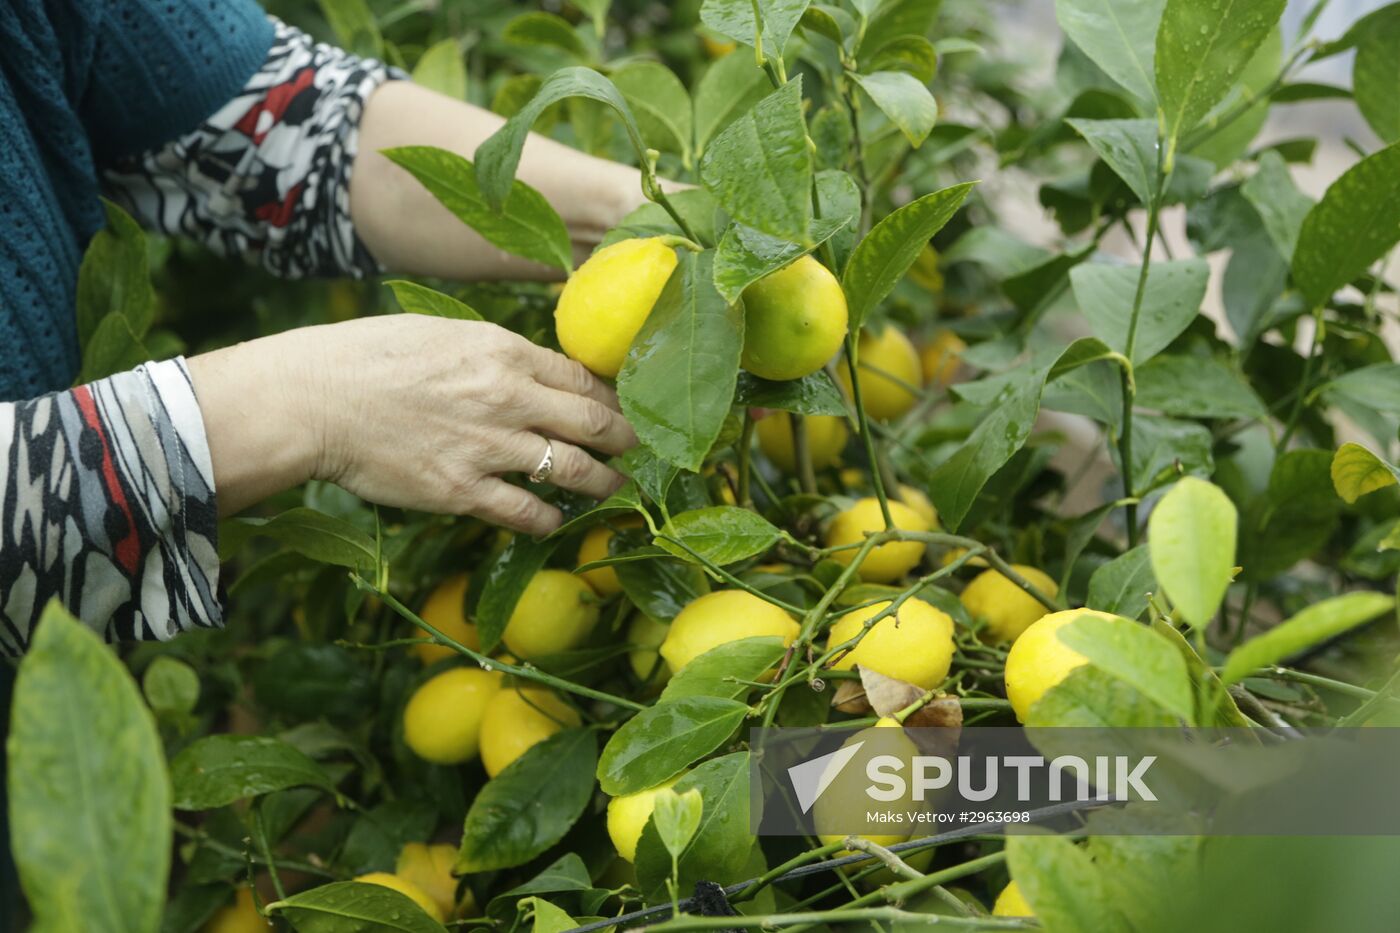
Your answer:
<point x="107" y="497"/>
<point x="267" y="176"/>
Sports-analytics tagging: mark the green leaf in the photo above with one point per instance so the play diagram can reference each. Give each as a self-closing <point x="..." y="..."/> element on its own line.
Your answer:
<point x="720" y="671"/>
<point x="882" y="259"/>
<point x="1122" y="585"/>
<point x="1191" y="534"/>
<point x="308" y="532"/>
<point x="218" y="769"/>
<point x="823" y="21"/>
<point x="721" y="534"/>
<point x="677" y="384"/>
<point x="1313" y="626"/>
<point x="839" y="196"/>
<point x="499" y="156"/>
<point x="506" y="580"/>
<point x="760" y="169"/>
<point x="1165" y="448"/>
<point x="1296" y="515"/>
<point x="1062" y="884"/>
<point x="811" y="395"/>
<point x="745" y="255"/>
<point x="354" y="26"/>
<point x="914" y="55"/>
<point x="1376" y="387"/>
<point x="661" y="104"/>
<point x="1351" y="227"/>
<point x="1202" y="47"/>
<point x="1129" y="147"/>
<point x="660" y="742"/>
<point x="1226" y="132"/>
<point x="1280" y="204"/>
<point x="442" y="69"/>
<point x="529" y="806"/>
<point x="115" y="277"/>
<point x="661" y="588"/>
<point x="547" y="30"/>
<point x="1170" y="302"/>
<point x="719" y="849"/>
<point x="895" y="20"/>
<point x="903" y="98"/>
<point x="114" y="347"/>
<point x="548" y="918"/>
<point x="345" y="906"/>
<point x="566" y="874"/>
<point x="734" y="18"/>
<point x="420" y="299"/>
<point x="597" y="11"/>
<point x="676" y="817"/>
<point x="1196" y="387"/>
<point x="1120" y="36"/>
<point x="1356" y="471"/>
<point x="730" y="87"/>
<point x="1137" y="656"/>
<point x="1090" y="698"/>
<point x="1376" y="74"/>
<point x="88" y="794"/>
<point x="170" y="685"/>
<point x="525" y="226"/>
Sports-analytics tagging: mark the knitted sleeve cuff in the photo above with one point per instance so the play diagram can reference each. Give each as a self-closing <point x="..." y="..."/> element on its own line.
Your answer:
<point x="268" y="175"/>
<point x="107" y="503"/>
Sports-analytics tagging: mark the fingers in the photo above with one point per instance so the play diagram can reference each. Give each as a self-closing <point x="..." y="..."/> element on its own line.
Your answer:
<point x="514" y="508"/>
<point x="559" y="372"/>
<point x="583" y="421"/>
<point x="573" y="468"/>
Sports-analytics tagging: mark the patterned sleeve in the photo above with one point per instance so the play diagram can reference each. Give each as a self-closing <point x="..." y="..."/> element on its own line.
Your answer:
<point x="267" y="177"/>
<point x="107" y="503"/>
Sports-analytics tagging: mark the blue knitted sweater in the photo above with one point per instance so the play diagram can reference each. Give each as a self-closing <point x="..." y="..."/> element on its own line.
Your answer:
<point x="84" y="82"/>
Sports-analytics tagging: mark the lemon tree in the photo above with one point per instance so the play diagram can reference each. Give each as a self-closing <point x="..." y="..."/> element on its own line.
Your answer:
<point x="869" y="447"/>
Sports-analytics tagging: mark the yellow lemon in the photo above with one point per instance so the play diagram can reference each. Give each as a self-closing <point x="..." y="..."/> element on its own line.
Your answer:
<point x="716" y="48"/>
<point x="607" y="300"/>
<point x="430" y="868"/>
<point x="444" y="611"/>
<point x="442" y="720"/>
<point x="646" y="634"/>
<point x="595" y="547"/>
<point x="408" y="889"/>
<point x="239" y="917"/>
<point x="721" y="617"/>
<point x="925" y="272"/>
<point x="1039" y="660"/>
<point x="920" y="503"/>
<point x="887" y="562"/>
<point x="555" y="613"/>
<point x="826" y="438"/>
<point x="1011" y="902"/>
<point x="889" y="367"/>
<point x="517" y="719"/>
<point x="1007" y="609"/>
<point x="628" y="815"/>
<point x="941" y="357"/>
<point x="794" y="321"/>
<point x="915" y="645"/>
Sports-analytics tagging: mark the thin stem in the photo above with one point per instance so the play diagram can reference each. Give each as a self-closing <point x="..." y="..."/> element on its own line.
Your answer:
<point x="260" y="834"/>
<point x="729" y="578"/>
<point x="202" y="838"/>
<point x="743" y="494"/>
<point x="797" y="861"/>
<point x="1386" y="694"/>
<point x="1300" y="402"/>
<point x="876" y="475"/>
<point x="523" y="672"/>
<point x="1326" y="683"/>
<point x="802" y="453"/>
<point x="894" y="863"/>
<point x="797" y="921"/>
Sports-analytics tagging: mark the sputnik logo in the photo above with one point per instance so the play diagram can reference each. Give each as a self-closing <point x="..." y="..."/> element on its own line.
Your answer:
<point x="811" y="778"/>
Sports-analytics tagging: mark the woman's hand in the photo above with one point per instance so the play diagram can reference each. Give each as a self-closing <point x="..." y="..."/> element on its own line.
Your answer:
<point x="410" y="411"/>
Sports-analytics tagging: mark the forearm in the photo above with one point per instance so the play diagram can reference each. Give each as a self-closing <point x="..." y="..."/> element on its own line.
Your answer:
<point x="410" y="232"/>
<point x="257" y="403"/>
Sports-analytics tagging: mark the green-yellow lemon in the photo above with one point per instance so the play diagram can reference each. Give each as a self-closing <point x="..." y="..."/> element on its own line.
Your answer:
<point x="941" y="357"/>
<point x="645" y="635"/>
<point x="915" y="645"/>
<point x="889" y="369"/>
<point x="794" y="321"/>
<point x="721" y="617"/>
<point x="555" y="613"/>
<point x="1007" y="609"/>
<point x="444" y="611"/>
<point x="442" y="720"/>
<point x="239" y="917"/>
<point x="607" y="300"/>
<point x="430" y="868"/>
<point x="846" y="788"/>
<point x="887" y="562"/>
<point x="517" y="719"/>
<point x="595" y="547"/>
<point x="1039" y="660"/>
<point x="826" y="438"/>
<point x="1011" y="902"/>
<point x="409" y="889"/>
<point x="628" y="815"/>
